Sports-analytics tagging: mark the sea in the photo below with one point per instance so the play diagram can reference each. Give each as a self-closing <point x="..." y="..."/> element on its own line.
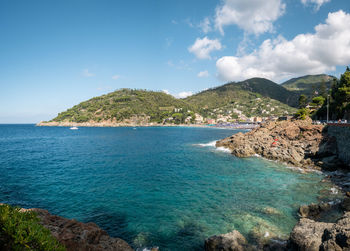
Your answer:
<point x="166" y="187"/>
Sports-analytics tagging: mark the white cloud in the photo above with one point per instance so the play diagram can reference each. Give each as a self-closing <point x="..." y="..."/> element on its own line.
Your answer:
<point x="317" y="3"/>
<point x="203" y="47"/>
<point x="115" y="77"/>
<point x="320" y="52"/>
<point x="184" y="94"/>
<point x="166" y="92"/>
<point x="203" y="74"/>
<point x="253" y="16"/>
<point x="205" y="25"/>
<point x="87" y="73"/>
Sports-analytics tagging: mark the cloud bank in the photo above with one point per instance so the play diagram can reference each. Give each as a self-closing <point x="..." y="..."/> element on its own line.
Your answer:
<point x="279" y="59"/>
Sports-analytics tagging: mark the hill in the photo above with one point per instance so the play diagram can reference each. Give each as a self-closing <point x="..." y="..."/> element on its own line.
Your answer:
<point x="256" y="97"/>
<point x="309" y="84"/>
<point x="140" y="106"/>
<point x="252" y="97"/>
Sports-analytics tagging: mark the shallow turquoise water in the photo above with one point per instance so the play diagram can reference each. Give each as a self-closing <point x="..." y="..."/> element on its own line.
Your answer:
<point x="150" y="186"/>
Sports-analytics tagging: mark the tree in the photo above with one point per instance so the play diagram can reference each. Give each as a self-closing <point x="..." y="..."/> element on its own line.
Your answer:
<point x="302" y="113"/>
<point x="323" y="89"/>
<point x="302" y="101"/>
<point x="318" y="101"/>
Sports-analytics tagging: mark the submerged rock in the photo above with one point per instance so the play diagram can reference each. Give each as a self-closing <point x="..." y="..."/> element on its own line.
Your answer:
<point x="233" y="241"/>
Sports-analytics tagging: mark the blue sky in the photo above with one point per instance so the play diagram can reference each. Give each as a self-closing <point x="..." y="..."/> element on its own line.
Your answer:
<point x="55" y="54"/>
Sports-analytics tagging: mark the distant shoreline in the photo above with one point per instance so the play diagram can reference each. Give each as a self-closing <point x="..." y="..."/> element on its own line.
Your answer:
<point x="106" y="124"/>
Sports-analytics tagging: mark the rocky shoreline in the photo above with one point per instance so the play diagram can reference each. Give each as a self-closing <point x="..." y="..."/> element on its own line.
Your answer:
<point x="298" y="143"/>
<point x="309" y="147"/>
<point x="78" y="236"/>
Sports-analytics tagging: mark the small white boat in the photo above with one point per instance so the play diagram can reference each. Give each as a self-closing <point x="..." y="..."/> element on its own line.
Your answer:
<point x="74" y="128"/>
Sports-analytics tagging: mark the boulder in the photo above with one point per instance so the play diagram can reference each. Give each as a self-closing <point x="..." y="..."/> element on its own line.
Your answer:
<point x="311" y="235"/>
<point x="233" y="241"/>
<point x="314" y="211"/>
<point x="307" y="235"/>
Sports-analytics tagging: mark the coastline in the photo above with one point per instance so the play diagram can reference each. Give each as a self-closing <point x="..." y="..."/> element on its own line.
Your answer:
<point x="314" y="149"/>
<point x="111" y="124"/>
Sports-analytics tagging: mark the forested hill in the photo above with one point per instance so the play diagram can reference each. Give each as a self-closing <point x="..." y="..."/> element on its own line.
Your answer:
<point x="249" y="98"/>
<point x="242" y="90"/>
<point x="309" y="84"/>
<point x="123" y="104"/>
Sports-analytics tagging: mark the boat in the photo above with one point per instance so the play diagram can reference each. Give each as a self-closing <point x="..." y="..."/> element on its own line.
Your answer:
<point x="74" y="128"/>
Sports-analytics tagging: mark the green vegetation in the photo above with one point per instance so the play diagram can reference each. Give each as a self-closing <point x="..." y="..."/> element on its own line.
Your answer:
<point x="21" y="231"/>
<point x="256" y="97"/>
<point x="310" y="85"/>
<point x="125" y="104"/>
<point x="338" y="99"/>
<point x="302" y="113"/>
<point x="302" y="101"/>
<point x="253" y="97"/>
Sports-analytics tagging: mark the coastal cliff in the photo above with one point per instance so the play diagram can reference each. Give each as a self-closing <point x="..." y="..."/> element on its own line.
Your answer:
<point x="297" y="143"/>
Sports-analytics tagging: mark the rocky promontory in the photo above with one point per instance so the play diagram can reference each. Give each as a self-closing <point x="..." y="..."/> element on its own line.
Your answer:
<point x="297" y="143"/>
<point x="78" y="236"/>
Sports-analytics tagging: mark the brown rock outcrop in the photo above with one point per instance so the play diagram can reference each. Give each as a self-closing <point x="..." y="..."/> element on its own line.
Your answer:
<point x="310" y="235"/>
<point x="78" y="236"/>
<point x="298" y="143"/>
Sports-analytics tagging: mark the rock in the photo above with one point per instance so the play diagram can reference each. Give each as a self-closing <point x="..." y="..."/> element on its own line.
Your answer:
<point x="311" y="235"/>
<point x="78" y="236"/>
<point x="307" y="235"/>
<point x="346" y="204"/>
<point x="314" y="211"/>
<point x="297" y="143"/>
<point x="338" y="236"/>
<point x="271" y="211"/>
<point x="233" y="241"/>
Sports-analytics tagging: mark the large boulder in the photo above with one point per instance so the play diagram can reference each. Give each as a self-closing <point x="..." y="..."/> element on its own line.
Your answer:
<point x="233" y="241"/>
<point x="307" y="235"/>
<point x="311" y="235"/>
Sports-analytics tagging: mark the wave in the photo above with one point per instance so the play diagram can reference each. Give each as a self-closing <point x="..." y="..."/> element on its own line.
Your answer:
<point x="212" y="144"/>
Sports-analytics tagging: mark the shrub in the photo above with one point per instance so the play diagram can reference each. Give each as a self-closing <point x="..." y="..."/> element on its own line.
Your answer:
<point x="21" y="231"/>
<point x="302" y="113"/>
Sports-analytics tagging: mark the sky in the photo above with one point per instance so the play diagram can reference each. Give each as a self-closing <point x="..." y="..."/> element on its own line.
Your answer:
<point x="56" y="54"/>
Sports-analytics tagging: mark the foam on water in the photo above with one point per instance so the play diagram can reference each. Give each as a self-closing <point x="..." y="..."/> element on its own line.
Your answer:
<point x="210" y="144"/>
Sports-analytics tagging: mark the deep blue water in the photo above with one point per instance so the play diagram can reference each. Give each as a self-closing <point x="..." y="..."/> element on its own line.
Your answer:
<point x="150" y="186"/>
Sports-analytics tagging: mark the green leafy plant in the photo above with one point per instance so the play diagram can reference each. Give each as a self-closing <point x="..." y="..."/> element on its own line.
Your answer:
<point x="22" y="231"/>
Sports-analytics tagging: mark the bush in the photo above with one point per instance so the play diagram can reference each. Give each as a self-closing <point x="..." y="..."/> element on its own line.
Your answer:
<point x="302" y="113"/>
<point x="21" y="231"/>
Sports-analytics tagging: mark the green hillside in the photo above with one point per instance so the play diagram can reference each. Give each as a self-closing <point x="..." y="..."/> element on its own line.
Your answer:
<point x="256" y="97"/>
<point x="123" y="104"/>
<point x="253" y="97"/>
<point x="309" y="84"/>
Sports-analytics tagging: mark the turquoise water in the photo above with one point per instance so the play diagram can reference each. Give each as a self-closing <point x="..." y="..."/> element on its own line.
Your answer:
<point x="163" y="187"/>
